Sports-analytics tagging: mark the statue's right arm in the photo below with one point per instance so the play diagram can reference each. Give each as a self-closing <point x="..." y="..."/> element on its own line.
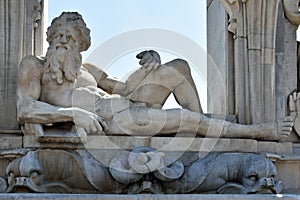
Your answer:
<point x="31" y="110"/>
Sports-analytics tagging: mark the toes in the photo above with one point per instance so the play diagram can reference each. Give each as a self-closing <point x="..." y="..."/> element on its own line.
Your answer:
<point x="289" y="119"/>
<point x="285" y="133"/>
<point x="287" y="129"/>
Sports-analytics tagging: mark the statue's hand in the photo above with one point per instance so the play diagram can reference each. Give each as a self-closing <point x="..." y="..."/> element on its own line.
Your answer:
<point x="96" y="71"/>
<point x="294" y="106"/>
<point x="91" y="122"/>
<point x="149" y="59"/>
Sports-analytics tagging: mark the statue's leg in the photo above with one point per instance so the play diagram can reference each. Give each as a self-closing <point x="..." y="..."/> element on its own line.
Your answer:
<point x="185" y="93"/>
<point x="265" y="131"/>
<point x="145" y="121"/>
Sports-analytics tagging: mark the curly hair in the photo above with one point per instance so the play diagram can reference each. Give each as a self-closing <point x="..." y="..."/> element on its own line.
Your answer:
<point x="75" y="19"/>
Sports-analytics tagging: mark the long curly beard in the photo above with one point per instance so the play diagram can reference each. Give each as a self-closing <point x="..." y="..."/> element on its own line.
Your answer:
<point x="63" y="63"/>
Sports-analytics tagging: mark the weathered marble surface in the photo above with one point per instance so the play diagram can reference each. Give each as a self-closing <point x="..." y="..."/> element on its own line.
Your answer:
<point x="145" y="197"/>
<point x="166" y="144"/>
<point x="59" y="89"/>
<point x="58" y="92"/>
<point x="265" y="59"/>
<point x="142" y="170"/>
<point x="20" y="35"/>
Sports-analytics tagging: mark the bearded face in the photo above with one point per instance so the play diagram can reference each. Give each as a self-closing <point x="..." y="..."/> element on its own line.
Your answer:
<point x="63" y="58"/>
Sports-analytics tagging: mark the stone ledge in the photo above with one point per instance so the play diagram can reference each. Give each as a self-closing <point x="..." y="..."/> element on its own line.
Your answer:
<point x="5" y="131"/>
<point x="20" y="196"/>
<point x="10" y="141"/>
<point x="160" y="143"/>
<point x="275" y="147"/>
<point x="168" y="144"/>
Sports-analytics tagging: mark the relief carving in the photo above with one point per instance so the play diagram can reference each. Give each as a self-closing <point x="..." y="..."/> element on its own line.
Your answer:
<point x="36" y="13"/>
<point x="232" y="7"/>
<point x="59" y="171"/>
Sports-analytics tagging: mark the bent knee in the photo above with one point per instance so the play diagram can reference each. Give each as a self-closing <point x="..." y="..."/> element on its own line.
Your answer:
<point x="180" y="65"/>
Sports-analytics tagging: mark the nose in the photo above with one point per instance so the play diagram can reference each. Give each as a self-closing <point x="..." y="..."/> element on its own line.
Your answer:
<point x="63" y="39"/>
<point x="21" y="181"/>
<point x="269" y="182"/>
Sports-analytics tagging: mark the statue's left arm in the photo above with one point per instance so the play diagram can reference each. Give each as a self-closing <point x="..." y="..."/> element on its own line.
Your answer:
<point x="149" y="60"/>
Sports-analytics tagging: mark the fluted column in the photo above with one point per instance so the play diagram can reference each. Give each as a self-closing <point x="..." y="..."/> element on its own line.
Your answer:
<point x="253" y="23"/>
<point x="20" y="24"/>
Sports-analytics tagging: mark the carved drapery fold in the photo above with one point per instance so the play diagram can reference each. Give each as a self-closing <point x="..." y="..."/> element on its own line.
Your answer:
<point x="254" y="58"/>
<point x="232" y="7"/>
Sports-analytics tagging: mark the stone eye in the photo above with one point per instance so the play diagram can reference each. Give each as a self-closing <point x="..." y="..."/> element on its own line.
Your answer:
<point x="11" y="174"/>
<point x="34" y="174"/>
<point x="60" y="35"/>
<point x="253" y="177"/>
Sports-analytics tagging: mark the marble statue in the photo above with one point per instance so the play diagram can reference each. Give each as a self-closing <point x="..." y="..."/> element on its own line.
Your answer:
<point x="84" y="132"/>
<point x="59" y="88"/>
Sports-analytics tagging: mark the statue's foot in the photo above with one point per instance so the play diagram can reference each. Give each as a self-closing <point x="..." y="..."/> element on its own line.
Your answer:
<point x="274" y="130"/>
<point x="294" y="107"/>
<point x="285" y="126"/>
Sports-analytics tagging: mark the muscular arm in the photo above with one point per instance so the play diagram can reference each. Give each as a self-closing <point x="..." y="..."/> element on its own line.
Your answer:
<point x="113" y="86"/>
<point x="149" y="60"/>
<point x="31" y="110"/>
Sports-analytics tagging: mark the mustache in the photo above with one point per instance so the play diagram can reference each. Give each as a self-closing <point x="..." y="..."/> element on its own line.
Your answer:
<point x="65" y="46"/>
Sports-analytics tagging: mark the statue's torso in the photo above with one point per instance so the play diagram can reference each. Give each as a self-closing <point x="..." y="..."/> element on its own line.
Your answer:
<point x="67" y="93"/>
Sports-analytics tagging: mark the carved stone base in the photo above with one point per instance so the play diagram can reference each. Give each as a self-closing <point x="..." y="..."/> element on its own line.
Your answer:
<point x="179" y="144"/>
<point x="145" y="197"/>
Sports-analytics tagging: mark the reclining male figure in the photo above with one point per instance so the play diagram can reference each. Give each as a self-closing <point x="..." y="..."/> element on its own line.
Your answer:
<point x="59" y="89"/>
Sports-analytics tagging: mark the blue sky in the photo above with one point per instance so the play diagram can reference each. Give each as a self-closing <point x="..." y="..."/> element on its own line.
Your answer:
<point x="110" y="18"/>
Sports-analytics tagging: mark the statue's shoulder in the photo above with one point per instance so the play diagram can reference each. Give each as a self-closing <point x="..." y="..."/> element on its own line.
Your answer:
<point x="31" y="66"/>
<point x="32" y="61"/>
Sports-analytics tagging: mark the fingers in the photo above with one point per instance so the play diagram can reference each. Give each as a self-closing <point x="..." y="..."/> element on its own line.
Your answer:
<point x="289" y="119"/>
<point x="151" y="63"/>
<point x="93" y="127"/>
<point x="156" y="65"/>
<point x="155" y="55"/>
<point x="140" y="55"/>
<point x="82" y="134"/>
<point x="103" y="124"/>
<point x="98" y="125"/>
<point x="149" y="59"/>
<point x="145" y="58"/>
